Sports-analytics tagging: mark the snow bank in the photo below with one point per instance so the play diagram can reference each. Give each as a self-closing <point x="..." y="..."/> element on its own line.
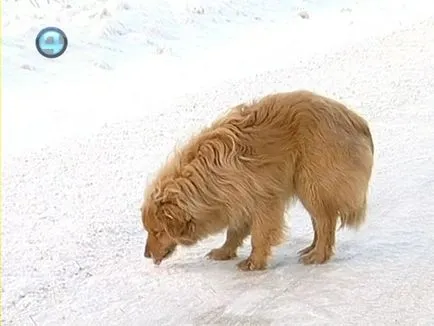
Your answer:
<point x="113" y="34"/>
<point x="126" y="57"/>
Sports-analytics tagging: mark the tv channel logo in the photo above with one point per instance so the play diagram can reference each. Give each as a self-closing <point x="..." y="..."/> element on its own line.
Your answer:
<point x="51" y="42"/>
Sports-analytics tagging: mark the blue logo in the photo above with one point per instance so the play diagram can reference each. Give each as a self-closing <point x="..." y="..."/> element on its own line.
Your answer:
<point x="51" y="42"/>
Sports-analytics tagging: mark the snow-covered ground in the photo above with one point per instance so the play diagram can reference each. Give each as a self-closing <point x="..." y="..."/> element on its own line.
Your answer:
<point x="140" y="76"/>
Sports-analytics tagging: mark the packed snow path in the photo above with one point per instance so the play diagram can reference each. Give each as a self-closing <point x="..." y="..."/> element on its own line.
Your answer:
<point x="73" y="243"/>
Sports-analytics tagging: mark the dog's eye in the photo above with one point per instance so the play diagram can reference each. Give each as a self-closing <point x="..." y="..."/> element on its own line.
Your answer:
<point x="155" y="233"/>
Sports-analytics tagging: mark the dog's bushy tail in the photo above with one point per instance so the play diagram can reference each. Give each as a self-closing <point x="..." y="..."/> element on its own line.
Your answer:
<point x="353" y="219"/>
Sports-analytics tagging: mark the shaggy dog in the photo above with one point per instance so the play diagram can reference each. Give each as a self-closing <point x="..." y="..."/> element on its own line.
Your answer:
<point x="242" y="172"/>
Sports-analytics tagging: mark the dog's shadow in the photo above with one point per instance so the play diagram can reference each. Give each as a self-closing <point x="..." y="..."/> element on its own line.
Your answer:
<point x="349" y="253"/>
<point x="284" y="256"/>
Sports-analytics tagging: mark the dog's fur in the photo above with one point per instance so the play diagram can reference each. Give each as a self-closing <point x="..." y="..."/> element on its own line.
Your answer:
<point x="242" y="172"/>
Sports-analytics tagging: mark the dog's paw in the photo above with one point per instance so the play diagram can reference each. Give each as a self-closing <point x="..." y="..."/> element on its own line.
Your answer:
<point x="315" y="256"/>
<point x="221" y="254"/>
<point x="251" y="265"/>
<point x="306" y="250"/>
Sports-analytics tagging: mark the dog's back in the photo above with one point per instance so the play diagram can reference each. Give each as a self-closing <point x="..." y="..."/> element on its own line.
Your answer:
<point x="289" y="131"/>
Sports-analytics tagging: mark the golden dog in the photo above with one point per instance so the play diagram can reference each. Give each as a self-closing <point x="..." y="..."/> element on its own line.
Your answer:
<point x="242" y="172"/>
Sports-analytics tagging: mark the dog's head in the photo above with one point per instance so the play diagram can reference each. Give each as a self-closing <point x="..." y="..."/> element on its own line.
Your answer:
<point x="167" y="225"/>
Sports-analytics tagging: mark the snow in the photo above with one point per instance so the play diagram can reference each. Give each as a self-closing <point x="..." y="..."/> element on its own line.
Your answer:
<point x="140" y="76"/>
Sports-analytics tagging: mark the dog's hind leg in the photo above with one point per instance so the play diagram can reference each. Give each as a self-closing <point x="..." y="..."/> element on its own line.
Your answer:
<point x="313" y="244"/>
<point x="324" y="219"/>
<point x="234" y="239"/>
<point x="268" y="226"/>
<point x="325" y="206"/>
<point x="323" y="245"/>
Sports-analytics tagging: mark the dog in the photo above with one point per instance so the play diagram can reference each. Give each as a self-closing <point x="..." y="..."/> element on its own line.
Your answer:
<point x="244" y="170"/>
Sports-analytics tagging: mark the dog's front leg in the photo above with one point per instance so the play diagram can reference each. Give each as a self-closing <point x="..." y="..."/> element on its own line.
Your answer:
<point x="234" y="239"/>
<point x="267" y="231"/>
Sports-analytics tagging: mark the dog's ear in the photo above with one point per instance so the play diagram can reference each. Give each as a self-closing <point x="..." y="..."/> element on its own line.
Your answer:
<point x="178" y="224"/>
